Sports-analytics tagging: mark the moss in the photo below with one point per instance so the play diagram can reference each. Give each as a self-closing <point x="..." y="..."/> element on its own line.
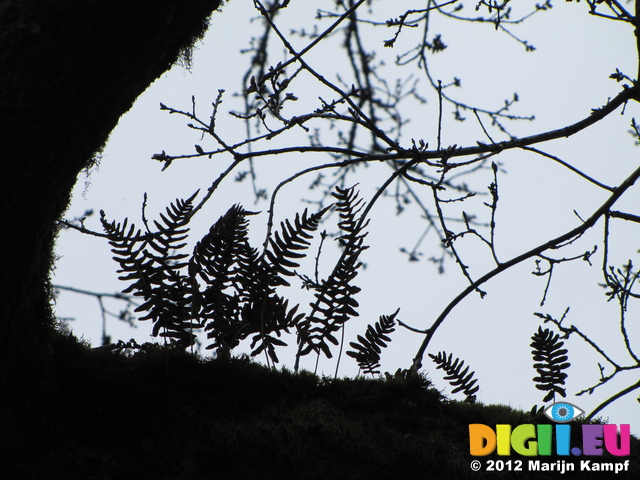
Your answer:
<point x="163" y="413"/>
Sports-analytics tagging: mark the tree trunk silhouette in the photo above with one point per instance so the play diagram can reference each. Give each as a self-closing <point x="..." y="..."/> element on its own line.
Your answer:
<point x="68" y="71"/>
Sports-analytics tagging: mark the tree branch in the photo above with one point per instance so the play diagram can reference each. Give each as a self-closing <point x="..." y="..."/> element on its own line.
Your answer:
<point x="590" y="222"/>
<point x="613" y="398"/>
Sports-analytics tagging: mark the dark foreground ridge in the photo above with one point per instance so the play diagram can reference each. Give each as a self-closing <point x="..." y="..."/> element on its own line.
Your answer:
<point x="165" y="414"/>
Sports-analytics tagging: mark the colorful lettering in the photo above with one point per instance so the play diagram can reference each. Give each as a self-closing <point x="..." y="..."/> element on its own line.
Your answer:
<point x="531" y="440"/>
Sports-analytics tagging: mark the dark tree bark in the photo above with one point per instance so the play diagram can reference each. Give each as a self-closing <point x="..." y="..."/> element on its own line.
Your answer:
<point x="68" y="71"/>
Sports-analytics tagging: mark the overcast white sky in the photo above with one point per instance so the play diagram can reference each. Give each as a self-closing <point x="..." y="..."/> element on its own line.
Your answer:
<point x="560" y="82"/>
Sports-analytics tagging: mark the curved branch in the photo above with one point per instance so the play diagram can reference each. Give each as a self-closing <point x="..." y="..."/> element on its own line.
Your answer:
<point x="590" y="222"/>
<point x="286" y="181"/>
<point x="570" y="167"/>
<point x="613" y="398"/>
<point x="598" y="114"/>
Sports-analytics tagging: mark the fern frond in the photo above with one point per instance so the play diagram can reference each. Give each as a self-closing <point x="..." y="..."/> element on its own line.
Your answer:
<point x="217" y="252"/>
<point x="239" y="299"/>
<point x="462" y="380"/>
<point x="367" y="351"/>
<point x="335" y="303"/>
<point x="550" y="359"/>
<point x="220" y="259"/>
<point x="349" y="206"/>
<point x="287" y="247"/>
<point x="153" y="261"/>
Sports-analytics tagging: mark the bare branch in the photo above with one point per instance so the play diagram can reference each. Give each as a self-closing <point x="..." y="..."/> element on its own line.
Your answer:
<point x="590" y="222"/>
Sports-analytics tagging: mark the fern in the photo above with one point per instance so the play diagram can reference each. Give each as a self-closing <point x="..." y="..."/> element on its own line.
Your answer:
<point x="226" y="287"/>
<point x="550" y="361"/>
<point x="151" y="261"/>
<point x="349" y="207"/>
<point x="335" y="302"/>
<point x="239" y="299"/>
<point x="462" y="380"/>
<point x="367" y="351"/>
<point x="224" y="261"/>
<point x="288" y="245"/>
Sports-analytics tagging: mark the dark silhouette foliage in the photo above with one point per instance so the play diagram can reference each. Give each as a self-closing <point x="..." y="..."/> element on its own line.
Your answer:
<point x="153" y="263"/>
<point x="462" y="380"/>
<point x="550" y="361"/>
<point x="335" y="302"/>
<point x="353" y="119"/>
<point x="368" y="348"/>
<point x="287" y="247"/>
<point x="227" y="288"/>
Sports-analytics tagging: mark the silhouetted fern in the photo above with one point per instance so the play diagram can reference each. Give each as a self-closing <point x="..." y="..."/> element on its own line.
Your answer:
<point x="287" y="246"/>
<point x="226" y="263"/>
<point x="367" y="350"/>
<point x="240" y="299"/>
<point x="461" y="379"/>
<point x="228" y="288"/>
<point x="154" y="265"/>
<point x="335" y="302"/>
<point x="550" y="361"/>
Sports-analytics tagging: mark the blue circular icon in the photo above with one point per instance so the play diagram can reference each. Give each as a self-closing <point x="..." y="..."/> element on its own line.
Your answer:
<point x="562" y="412"/>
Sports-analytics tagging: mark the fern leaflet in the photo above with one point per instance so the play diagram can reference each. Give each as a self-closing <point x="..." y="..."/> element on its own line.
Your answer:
<point x="367" y="351"/>
<point x="462" y="380"/>
<point x="335" y="302"/>
<point x="550" y="361"/>
<point x="286" y="247"/>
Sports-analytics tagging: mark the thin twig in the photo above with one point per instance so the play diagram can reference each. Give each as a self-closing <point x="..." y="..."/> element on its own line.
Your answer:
<point x="553" y="243"/>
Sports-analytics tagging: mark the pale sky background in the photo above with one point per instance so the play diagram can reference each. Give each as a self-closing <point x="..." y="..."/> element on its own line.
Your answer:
<point x="560" y="82"/>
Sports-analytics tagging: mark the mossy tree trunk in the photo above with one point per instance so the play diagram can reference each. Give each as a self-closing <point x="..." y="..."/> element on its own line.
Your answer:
<point x="68" y="71"/>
